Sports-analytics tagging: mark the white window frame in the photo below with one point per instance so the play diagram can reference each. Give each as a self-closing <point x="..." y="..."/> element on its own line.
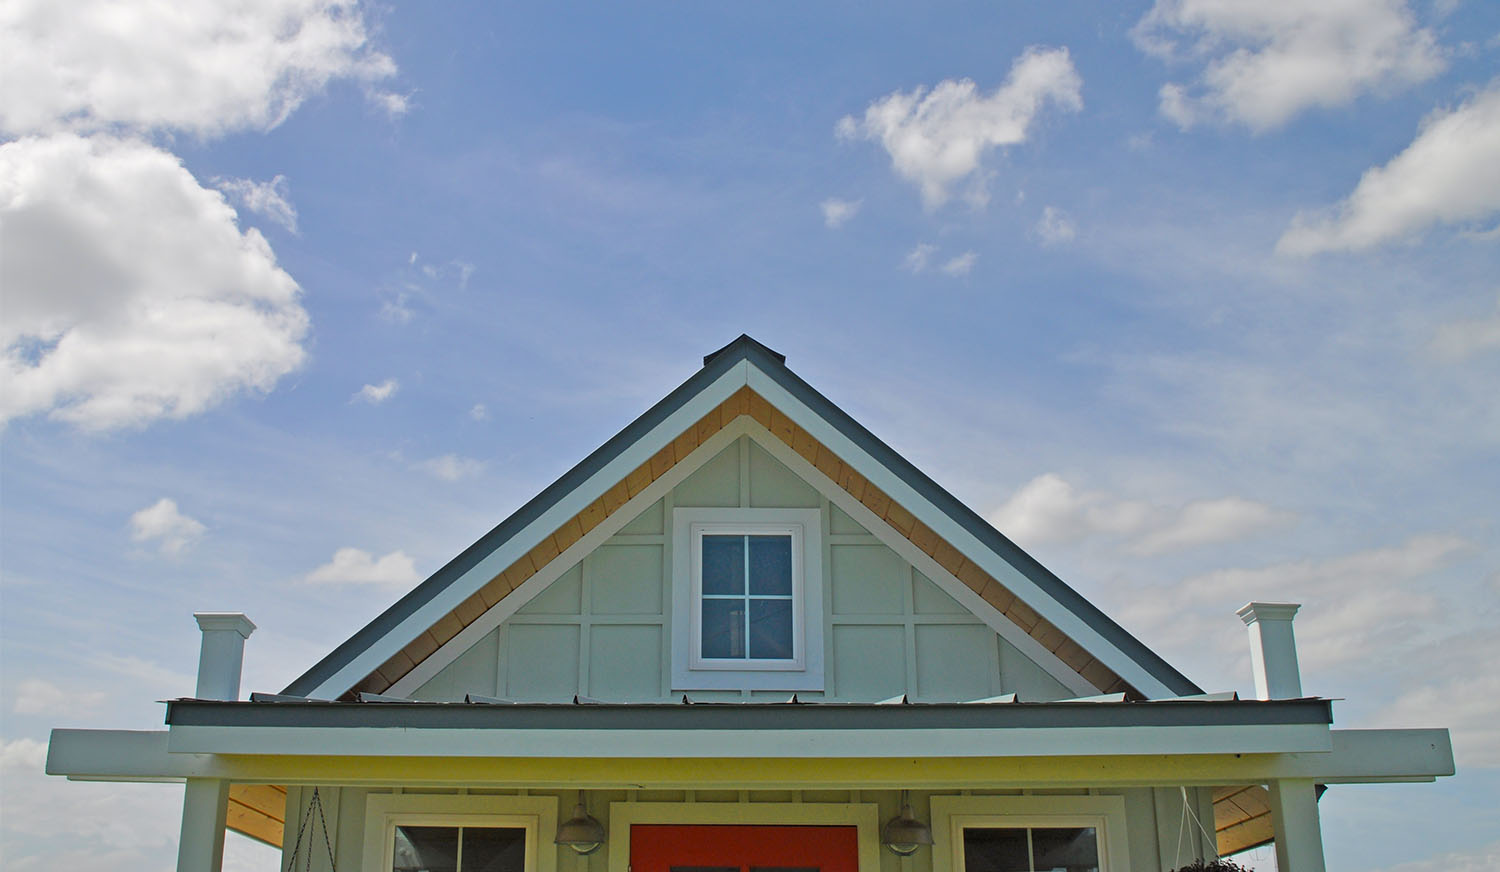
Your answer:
<point x="537" y="815"/>
<point x="692" y="671"/>
<point x="951" y="815"/>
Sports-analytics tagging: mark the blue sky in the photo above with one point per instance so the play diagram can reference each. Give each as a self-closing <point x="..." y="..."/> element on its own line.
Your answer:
<point x="1196" y="300"/>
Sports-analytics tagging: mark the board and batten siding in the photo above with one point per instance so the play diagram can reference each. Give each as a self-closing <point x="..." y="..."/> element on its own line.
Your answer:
<point x="603" y="629"/>
<point x="1160" y="837"/>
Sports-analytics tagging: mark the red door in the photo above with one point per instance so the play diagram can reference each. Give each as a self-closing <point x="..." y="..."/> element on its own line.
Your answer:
<point x="712" y="848"/>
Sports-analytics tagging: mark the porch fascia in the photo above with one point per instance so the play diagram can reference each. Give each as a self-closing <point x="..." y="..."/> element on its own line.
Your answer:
<point x="1353" y="756"/>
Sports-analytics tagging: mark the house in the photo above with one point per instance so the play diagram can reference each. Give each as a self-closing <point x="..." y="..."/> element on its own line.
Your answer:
<point x="746" y="634"/>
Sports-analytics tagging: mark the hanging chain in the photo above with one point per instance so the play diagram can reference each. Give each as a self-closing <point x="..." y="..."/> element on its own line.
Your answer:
<point x="316" y="804"/>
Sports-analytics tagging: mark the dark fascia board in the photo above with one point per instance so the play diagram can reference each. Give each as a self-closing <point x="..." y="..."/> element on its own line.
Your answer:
<point x="774" y="365"/>
<point x="747" y="716"/>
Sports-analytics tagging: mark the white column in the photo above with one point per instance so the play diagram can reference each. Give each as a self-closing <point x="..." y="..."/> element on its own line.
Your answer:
<point x="1273" y="650"/>
<point x="1294" y="814"/>
<point x="222" y="653"/>
<point x="200" y="848"/>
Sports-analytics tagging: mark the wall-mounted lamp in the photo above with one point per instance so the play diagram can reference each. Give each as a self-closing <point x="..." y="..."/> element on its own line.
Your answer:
<point x="582" y="832"/>
<point x="904" y="834"/>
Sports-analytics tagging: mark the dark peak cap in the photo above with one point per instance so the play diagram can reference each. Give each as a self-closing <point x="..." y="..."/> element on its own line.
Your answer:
<point x="744" y="342"/>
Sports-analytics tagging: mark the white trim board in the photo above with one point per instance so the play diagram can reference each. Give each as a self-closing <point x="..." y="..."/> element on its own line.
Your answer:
<point x="523" y="541"/>
<point x="752" y="744"/>
<point x="1355" y="756"/>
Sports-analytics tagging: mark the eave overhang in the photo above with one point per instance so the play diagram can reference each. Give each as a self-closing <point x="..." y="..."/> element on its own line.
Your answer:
<point x="738" y="731"/>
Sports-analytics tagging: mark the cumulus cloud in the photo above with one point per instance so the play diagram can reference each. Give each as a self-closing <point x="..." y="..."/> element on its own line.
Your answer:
<point x="961" y="265"/>
<point x="1050" y="509"/>
<point x="479" y="412"/>
<point x="1055" y="227"/>
<point x="376" y="394"/>
<point x="357" y="566"/>
<point x="1470" y="336"/>
<point x="1264" y="63"/>
<point x="940" y="137"/>
<point x="451" y="467"/>
<point x="33" y="696"/>
<point x="836" y="212"/>
<point x="917" y="259"/>
<point x="162" y="523"/>
<point x="130" y="294"/>
<point x="1356" y="603"/>
<point x="1450" y="174"/>
<point x="271" y="200"/>
<point x="203" y="68"/>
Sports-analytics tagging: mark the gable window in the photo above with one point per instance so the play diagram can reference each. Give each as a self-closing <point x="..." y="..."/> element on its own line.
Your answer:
<point x="747" y="595"/>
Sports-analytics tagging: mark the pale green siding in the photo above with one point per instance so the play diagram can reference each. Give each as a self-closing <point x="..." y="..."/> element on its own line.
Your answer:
<point x="603" y="628"/>
<point x="1157" y="839"/>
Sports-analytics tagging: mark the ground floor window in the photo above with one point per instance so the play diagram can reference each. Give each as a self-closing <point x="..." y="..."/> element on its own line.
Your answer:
<point x="1031" y="849"/>
<point x="1029" y="834"/>
<point x="417" y="848"/>
<point x="459" y="833"/>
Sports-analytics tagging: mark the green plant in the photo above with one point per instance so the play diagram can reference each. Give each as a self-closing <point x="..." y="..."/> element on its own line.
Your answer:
<point x="1212" y="866"/>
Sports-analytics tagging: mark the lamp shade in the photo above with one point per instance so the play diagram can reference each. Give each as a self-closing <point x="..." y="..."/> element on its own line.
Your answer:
<point x="582" y="832"/>
<point x="904" y="834"/>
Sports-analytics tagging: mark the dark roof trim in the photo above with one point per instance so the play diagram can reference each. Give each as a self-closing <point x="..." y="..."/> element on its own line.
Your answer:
<point x="774" y="365"/>
<point x="735" y="716"/>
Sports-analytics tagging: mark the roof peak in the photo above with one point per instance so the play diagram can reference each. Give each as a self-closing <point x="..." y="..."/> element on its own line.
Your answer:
<point x="744" y="343"/>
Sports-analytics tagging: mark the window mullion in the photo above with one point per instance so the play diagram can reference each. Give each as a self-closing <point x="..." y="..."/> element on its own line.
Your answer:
<point x="747" y="596"/>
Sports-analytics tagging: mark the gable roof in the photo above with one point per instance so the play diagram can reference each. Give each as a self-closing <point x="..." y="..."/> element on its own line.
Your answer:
<point x="744" y="378"/>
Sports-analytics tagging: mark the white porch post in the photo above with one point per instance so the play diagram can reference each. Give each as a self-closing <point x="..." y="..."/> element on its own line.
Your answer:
<point x="200" y="848"/>
<point x="1299" y="836"/>
<point x="205" y="801"/>
<point x="1273" y="649"/>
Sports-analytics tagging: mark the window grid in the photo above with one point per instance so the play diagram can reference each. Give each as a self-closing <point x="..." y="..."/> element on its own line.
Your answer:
<point x="745" y="596"/>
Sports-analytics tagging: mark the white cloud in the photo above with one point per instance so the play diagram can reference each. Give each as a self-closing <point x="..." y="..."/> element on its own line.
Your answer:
<point x="376" y="394"/>
<point x="937" y="138"/>
<point x="271" y="200"/>
<point x="1470" y="336"/>
<point x="204" y="68"/>
<point x="163" y="523"/>
<point x="357" y="566"/>
<point x="917" y="259"/>
<point x="1356" y="603"/>
<point x="961" y="265"/>
<point x="1055" y="227"/>
<point x="836" y="212"/>
<point x="1049" y="509"/>
<point x="22" y="755"/>
<point x="1266" y="62"/>
<point x="1203" y="522"/>
<point x="1450" y="174"/>
<point x="451" y="467"/>
<point x="129" y="292"/>
<point x="479" y="412"/>
<point x="33" y="696"/>
<point x="1483" y="859"/>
